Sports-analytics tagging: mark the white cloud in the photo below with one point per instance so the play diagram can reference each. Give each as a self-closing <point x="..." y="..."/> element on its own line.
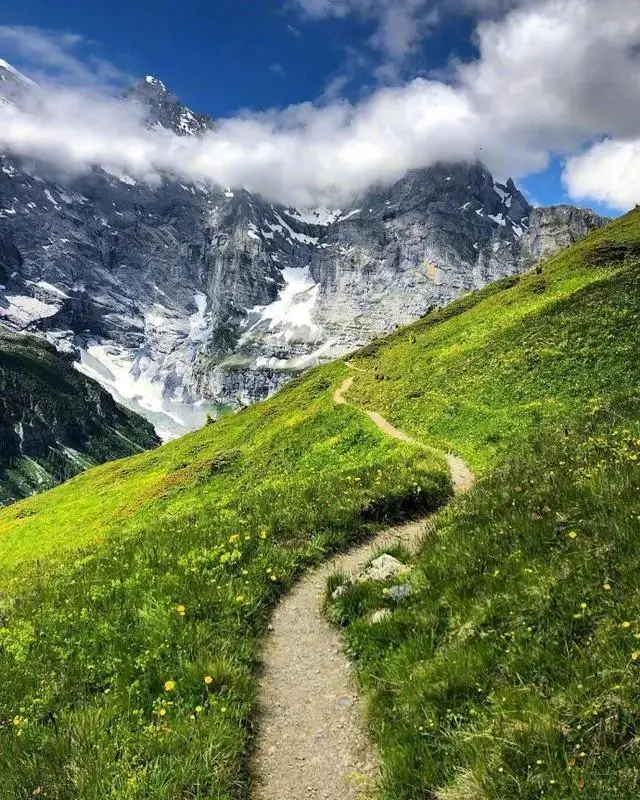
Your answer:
<point x="608" y="172"/>
<point x="400" y="24"/>
<point x="55" y="54"/>
<point x="552" y="76"/>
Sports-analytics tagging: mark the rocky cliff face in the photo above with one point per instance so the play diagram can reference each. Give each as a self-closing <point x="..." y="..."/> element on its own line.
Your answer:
<point x="55" y="422"/>
<point x="553" y="229"/>
<point x="183" y="298"/>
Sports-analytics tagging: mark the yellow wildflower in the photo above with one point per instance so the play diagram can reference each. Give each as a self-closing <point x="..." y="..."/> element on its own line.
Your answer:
<point x="208" y="680"/>
<point x="606" y="587"/>
<point x="635" y="655"/>
<point x="625" y="624"/>
<point x="572" y="534"/>
<point x="181" y="610"/>
<point x="169" y="686"/>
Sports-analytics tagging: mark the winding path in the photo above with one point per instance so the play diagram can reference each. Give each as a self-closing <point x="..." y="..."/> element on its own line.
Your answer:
<point x="312" y="741"/>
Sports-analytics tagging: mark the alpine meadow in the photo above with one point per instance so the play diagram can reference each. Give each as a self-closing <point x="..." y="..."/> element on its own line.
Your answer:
<point x="320" y="400"/>
<point x="135" y="596"/>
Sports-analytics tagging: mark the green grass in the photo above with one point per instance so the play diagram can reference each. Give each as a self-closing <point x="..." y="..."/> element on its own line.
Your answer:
<point x="219" y="523"/>
<point x="491" y="666"/>
<point x="514" y="668"/>
<point x="490" y="369"/>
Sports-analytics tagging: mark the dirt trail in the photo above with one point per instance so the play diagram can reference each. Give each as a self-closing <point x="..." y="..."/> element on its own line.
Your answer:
<point x="312" y="741"/>
<point x="461" y="476"/>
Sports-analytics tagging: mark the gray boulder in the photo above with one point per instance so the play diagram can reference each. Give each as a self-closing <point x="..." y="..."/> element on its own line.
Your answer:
<point x="383" y="568"/>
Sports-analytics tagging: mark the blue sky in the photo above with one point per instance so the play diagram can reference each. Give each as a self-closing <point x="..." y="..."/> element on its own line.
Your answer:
<point x="224" y="56"/>
<point x="220" y="56"/>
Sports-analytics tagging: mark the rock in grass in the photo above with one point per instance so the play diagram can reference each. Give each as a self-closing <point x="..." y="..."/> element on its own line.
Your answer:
<point x="400" y="592"/>
<point x="339" y="592"/>
<point x="383" y="568"/>
<point x="379" y="615"/>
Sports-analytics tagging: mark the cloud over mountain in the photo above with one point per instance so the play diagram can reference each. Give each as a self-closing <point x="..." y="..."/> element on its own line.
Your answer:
<point x="551" y="77"/>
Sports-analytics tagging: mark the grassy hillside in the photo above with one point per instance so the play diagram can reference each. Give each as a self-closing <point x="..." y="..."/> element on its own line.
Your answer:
<point x="492" y="368"/>
<point x="55" y="422"/>
<point x="133" y="597"/>
<point x="513" y="670"/>
<point x="126" y="667"/>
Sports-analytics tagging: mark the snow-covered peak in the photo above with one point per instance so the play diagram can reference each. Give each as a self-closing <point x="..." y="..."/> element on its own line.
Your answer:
<point x="153" y="81"/>
<point x="7" y="72"/>
<point x="13" y="84"/>
<point x="164" y="108"/>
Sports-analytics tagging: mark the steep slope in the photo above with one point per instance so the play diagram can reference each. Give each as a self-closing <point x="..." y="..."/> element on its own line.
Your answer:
<point x="512" y="670"/>
<point x="54" y="422"/>
<point x="182" y="295"/>
<point x="491" y="680"/>
<point x="152" y="631"/>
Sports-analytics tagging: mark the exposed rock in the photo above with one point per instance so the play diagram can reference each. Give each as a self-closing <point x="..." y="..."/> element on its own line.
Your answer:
<point x="400" y="592"/>
<point x="552" y="229"/>
<point x="383" y="568"/>
<point x="181" y="298"/>
<point x="339" y="592"/>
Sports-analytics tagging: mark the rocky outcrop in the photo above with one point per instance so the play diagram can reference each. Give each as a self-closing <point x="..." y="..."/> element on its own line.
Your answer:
<point x="552" y="229"/>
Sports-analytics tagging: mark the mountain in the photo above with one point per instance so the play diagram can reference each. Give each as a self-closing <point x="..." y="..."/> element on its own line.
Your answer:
<point x="183" y="299"/>
<point x="55" y="422"/>
<point x="164" y="109"/>
<point x="130" y="652"/>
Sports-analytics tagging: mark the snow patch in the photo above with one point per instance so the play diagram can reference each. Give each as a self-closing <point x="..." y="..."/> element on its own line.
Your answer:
<point x="49" y="287"/>
<point x="502" y="194"/>
<point x="350" y="214"/>
<point x="187" y="121"/>
<point x="153" y="81"/>
<point x="293" y="308"/>
<point x="134" y="380"/>
<point x="299" y="237"/>
<point x="127" y="180"/>
<point x="24" y="310"/>
<point x="314" y="216"/>
<point x="51" y="198"/>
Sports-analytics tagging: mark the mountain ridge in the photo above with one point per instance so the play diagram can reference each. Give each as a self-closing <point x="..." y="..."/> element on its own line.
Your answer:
<point x="183" y="299"/>
<point x="55" y="422"/>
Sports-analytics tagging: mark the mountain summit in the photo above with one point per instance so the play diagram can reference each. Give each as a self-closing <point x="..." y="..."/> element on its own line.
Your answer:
<point x="12" y="83"/>
<point x="165" y="110"/>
